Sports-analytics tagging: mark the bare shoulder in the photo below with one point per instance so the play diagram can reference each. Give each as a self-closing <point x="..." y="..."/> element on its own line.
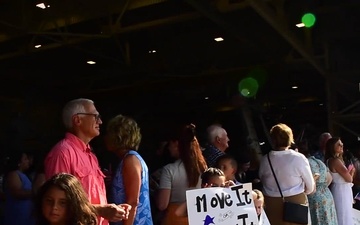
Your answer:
<point x="336" y="165"/>
<point x="335" y="161"/>
<point x="13" y="179"/>
<point x="131" y="160"/>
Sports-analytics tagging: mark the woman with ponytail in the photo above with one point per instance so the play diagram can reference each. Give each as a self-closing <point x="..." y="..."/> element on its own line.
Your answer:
<point x="180" y="176"/>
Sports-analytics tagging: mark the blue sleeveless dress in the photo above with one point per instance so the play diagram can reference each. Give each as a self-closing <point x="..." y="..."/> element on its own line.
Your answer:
<point x="16" y="211"/>
<point x="321" y="203"/>
<point x="143" y="213"/>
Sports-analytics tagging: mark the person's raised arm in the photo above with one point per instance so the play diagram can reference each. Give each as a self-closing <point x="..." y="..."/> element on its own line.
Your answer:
<point x="340" y="168"/>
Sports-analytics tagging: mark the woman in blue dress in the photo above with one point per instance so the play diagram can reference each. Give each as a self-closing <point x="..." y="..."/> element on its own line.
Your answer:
<point x="131" y="180"/>
<point x="321" y="202"/>
<point x="18" y="191"/>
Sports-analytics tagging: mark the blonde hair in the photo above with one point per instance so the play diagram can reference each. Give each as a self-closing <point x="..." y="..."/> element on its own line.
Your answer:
<point x="258" y="195"/>
<point x="281" y="136"/>
<point x="123" y="133"/>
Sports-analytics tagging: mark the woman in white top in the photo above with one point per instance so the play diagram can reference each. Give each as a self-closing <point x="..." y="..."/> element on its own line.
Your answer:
<point x="292" y="170"/>
<point x="342" y="180"/>
<point x="182" y="175"/>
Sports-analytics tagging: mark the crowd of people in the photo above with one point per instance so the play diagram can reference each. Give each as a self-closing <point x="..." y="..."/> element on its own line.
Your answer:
<point x="72" y="189"/>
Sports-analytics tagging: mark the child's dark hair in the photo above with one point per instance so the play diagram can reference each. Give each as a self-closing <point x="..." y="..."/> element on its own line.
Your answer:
<point x="227" y="157"/>
<point x="78" y="206"/>
<point x="209" y="173"/>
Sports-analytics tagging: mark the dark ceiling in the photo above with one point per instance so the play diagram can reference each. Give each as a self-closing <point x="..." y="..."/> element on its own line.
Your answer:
<point x="188" y="65"/>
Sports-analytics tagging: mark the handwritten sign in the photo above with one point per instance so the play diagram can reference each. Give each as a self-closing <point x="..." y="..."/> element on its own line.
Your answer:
<point x="227" y="206"/>
<point x="356" y="217"/>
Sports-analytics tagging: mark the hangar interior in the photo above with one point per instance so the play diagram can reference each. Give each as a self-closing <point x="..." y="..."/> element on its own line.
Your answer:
<point x="158" y="60"/>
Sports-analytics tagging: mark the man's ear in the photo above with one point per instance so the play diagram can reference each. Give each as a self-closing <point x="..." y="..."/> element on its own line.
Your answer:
<point x="76" y="120"/>
<point x="217" y="139"/>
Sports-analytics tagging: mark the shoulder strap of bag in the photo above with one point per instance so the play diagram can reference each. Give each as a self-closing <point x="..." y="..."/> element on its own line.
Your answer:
<point x="272" y="170"/>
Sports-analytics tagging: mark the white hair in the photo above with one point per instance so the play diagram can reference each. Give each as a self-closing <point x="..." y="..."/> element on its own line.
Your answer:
<point x="214" y="131"/>
<point x="323" y="138"/>
<point x="73" y="107"/>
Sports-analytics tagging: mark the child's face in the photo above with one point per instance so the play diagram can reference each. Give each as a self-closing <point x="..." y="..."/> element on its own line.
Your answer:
<point x="227" y="168"/>
<point x="258" y="205"/>
<point x="54" y="206"/>
<point x="216" y="181"/>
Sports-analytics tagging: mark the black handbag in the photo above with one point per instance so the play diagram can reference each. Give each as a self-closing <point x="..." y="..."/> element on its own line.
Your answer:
<point x="293" y="212"/>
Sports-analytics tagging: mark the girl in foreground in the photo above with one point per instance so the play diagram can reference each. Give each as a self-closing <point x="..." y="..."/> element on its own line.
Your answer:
<point x="62" y="201"/>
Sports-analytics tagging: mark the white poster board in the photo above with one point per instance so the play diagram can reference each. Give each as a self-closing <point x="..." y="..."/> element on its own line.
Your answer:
<point x="356" y="216"/>
<point x="263" y="220"/>
<point x="221" y="206"/>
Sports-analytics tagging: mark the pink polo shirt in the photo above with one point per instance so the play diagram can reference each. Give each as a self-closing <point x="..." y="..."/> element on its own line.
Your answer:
<point x="72" y="155"/>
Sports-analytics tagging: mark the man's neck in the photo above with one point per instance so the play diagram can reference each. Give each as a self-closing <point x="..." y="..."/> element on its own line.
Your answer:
<point x="217" y="147"/>
<point x="82" y="137"/>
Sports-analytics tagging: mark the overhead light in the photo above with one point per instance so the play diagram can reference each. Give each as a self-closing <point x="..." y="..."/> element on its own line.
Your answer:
<point x="294" y="87"/>
<point x="152" y="51"/>
<point x="261" y="143"/>
<point x="299" y="25"/>
<point x="218" y="39"/>
<point x="41" y="5"/>
<point x="321" y="104"/>
<point x="91" y="62"/>
<point x="206" y="98"/>
<point x="37" y="46"/>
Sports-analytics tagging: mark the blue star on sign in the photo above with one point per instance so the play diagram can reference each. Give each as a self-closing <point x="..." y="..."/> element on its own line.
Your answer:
<point x="208" y="220"/>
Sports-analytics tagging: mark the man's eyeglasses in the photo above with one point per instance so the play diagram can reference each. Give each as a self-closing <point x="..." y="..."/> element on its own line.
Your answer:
<point x="96" y="116"/>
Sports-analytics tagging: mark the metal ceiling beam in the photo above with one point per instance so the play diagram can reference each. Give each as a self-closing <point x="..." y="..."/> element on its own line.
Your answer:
<point x="31" y="49"/>
<point x="107" y="32"/>
<point x="70" y="34"/>
<point x="116" y="29"/>
<point x="269" y="16"/>
<point x="55" y="18"/>
<point x="355" y="133"/>
<point x="213" y="13"/>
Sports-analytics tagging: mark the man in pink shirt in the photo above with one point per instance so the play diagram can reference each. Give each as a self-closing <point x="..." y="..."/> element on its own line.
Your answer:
<point x="73" y="155"/>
